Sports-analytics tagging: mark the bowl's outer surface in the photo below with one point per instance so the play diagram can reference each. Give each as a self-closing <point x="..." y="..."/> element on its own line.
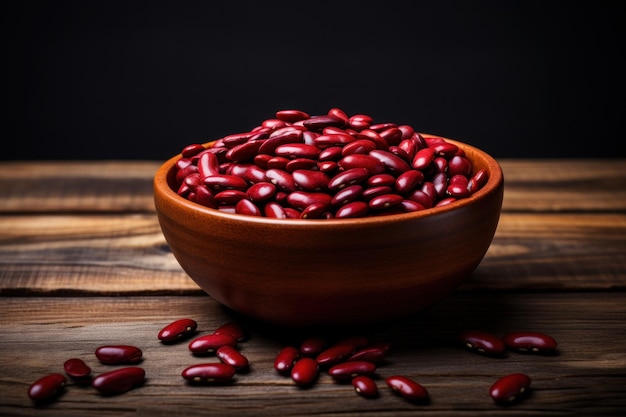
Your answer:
<point x="308" y="272"/>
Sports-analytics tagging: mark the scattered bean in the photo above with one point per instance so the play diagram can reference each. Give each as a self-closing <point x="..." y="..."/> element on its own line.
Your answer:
<point x="285" y="359"/>
<point x="509" y="388"/>
<point x="177" y="330"/>
<point x="305" y="371"/>
<point x="47" y="388"/>
<point x="350" y="369"/>
<point x="365" y="386"/>
<point x="208" y="344"/>
<point x="407" y="388"/>
<point x="530" y="342"/>
<point x="119" y="380"/>
<point x="119" y="354"/>
<point x="78" y="370"/>
<point x="482" y="342"/>
<point x="209" y="373"/>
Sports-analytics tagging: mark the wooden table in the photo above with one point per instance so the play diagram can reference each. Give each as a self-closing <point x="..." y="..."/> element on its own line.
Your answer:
<point x="83" y="263"/>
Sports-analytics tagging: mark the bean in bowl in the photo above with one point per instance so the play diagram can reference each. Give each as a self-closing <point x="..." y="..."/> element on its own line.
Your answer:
<point x="324" y="167"/>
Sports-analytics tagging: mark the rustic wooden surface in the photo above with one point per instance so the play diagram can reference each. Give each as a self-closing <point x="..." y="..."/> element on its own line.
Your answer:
<point x="83" y="263"/>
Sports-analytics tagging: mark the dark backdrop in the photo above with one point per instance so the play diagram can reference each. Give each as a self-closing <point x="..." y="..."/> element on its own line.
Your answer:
<point x="142" y="79"/>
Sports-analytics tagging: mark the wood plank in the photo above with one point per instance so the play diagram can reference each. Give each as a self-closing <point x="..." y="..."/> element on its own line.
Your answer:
<point x="587" y="377"/>
<point x="119" y="186"/>
<point x="127" y="254"/>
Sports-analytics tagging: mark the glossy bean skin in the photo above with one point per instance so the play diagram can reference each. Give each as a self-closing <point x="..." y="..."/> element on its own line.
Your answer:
<point x="530" y="342"/>
<point x="286" y="358"/>
<point x="47" y="388"/>
<point x="374" y="354"/>
<point x="209" y="344"/>
<point x="297" y="152"/>
<point x="305" y="371"/>
<point x="334" y="354"/>
<point x="119" y="380"/>
<point x="313" y="345"/>
<point x="77" y="370"/>
<point x="233" y="357"/>
<point x="347" y="370"/>
<point x="209" y="373"/>
<point x="119" y="354"/>
<point x="482" y="342"/>
<point x="408" y="388"/>
<point x="365" y="386"/>
<point x="510" y="388"/>
<point x="177" y="330"/>
<point x="233" y="329"/>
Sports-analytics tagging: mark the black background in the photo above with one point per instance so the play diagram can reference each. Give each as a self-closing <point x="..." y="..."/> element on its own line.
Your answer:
<point x="142" y="79"/>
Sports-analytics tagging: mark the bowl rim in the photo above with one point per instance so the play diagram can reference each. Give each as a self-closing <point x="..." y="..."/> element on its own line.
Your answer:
<point x="495" y="180"/>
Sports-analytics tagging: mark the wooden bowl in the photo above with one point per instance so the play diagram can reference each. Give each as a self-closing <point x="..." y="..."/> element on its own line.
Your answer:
<point x="341" y="271"/>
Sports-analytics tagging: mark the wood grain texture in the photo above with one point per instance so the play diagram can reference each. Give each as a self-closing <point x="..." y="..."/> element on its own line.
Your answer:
<point x="585" y="377"/>
<point x="83" y="263"/>
<point x="125" y="254"/>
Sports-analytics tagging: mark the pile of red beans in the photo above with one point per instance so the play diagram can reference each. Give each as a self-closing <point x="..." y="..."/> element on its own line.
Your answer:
<point x="355" y="360"/>
<point x="325" y="166"/>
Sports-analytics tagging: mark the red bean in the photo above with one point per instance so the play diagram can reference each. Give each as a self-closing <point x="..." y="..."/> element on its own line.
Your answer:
<point x="224" y="182"/>
<point x="347" y="194"/>
<point x="373" y="353"/>
<point x="352" y="210"/>
<point x="391" y="162"/>
<point x="282" y="179"/>
<point x="177" y="330"/>
<point x="334" y="139"/>
<point x="261" y="191"/>
<point x="407" y="388"/>
<point x="314" y="211"/>
<point x="209" y="373"/>
<point x="47" y="388"/>
<point x="477" y="181"/>
<point x="359" y="122"/>
<point x="247" y="207"/>
<point x="339" y="114"/>
<point x="408" y="180"/>
<point x="365" y="386"/>
<point x="233" y="329"/>
<point x="244" y="152"/>
<point x="334" y="354"/>
<point x="229" y="197"/>
<point x="482" y="342"/>
<point x="320" y="122"/>
<point x="286" y="358"/>
<point x="210" y="343"/>
<point x="192" y="150"/>
<point x="510" y="388"/>
<point x="348" y="177"/>
<point x="78" y="370"/>
<point x="301" y="163"/>
<point x="269" y="146"/>
<point x="350" y="369"/>
<point x="325" y="154"/>
<point x="313" y="346"/>
<point x="305" y="371"/>
<point x="119" y="354"/>
<point x="302" y="199"/>
<point x="274" y="211"/>
<point x="119" y="380"/>
<point x="385" y="201"/>
<point x="309" y="180"/>
<point x="360" y="146"/>
<point x="291" y="116"/>
<point x="423" y="158"/>
<point x="233" y="357"/>
<point x="208" y="164"/>
<point x="373" y="165"/>
<point x="530" y="342"/>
